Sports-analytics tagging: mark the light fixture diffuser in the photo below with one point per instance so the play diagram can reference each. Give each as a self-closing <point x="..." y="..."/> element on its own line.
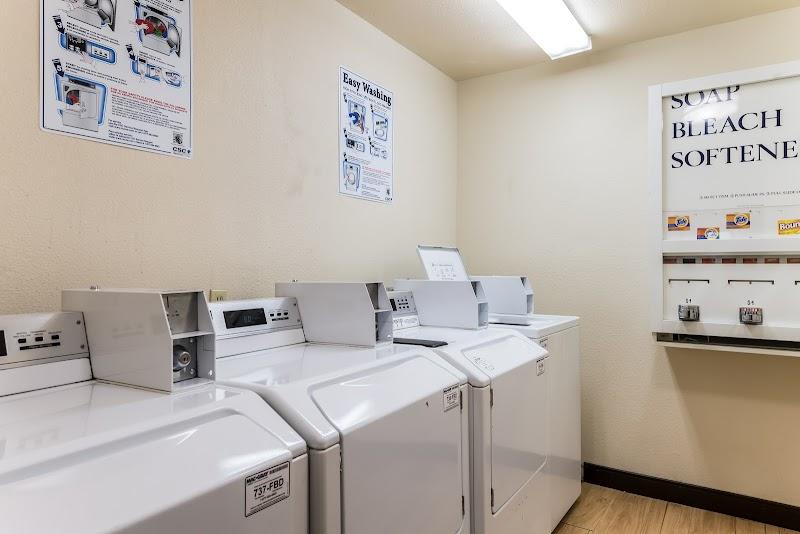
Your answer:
<point x="551" y="24"/>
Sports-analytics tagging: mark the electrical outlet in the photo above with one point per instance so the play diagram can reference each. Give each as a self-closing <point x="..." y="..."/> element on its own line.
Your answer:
<point x="216" y="295"/>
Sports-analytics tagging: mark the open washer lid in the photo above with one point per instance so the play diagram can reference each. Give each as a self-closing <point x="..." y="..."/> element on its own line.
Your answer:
<point x="389" y="408"/>
<point x="442" y="263"/>
<point x="513" y="366"/>
<point x="95" y="457"/>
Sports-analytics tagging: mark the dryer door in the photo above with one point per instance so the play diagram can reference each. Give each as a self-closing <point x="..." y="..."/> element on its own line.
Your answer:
<point x="519" y="415"/>
<point x="401" y="448"/>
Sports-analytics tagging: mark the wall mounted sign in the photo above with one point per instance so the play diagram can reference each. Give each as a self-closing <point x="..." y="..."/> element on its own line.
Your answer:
<point x="366" y="138"/>
<point x="118" y="72"/>
<point x="725" y="174"/>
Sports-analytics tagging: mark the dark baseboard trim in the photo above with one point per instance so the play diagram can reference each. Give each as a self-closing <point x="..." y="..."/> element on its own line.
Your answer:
<point x="769" y="512"/>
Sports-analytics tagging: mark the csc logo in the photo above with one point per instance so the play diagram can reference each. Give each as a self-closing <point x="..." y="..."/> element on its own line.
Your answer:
<point x="182" y="151"/>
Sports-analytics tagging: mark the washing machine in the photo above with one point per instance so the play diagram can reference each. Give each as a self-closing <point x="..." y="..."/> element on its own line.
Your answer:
<point x="386" y="426"/>
<point x="97" y="13"/>
<point x="508" y="385"/>
<point x="161" y="33"/>
<point x="511" y="306"/>
<point x="82" y="103"/>
<point x="84" y="455"/>
<point x="560" y="336"/>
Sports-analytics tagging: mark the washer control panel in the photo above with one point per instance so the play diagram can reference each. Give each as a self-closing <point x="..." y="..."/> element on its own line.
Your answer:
<point x="40" y="336"/>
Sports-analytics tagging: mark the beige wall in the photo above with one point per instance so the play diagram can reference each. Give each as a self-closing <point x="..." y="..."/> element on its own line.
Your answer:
<point x="553" y="183"/>
<point x="259" y="201"/>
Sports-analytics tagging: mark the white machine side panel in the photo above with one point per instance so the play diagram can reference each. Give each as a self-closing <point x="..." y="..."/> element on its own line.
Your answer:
<point x="564" y="457"/>
<point x="519" y="429"/>
<point x="405" y="467"/>
<point x="189" y="477"/>
<point x="325" y="495"/>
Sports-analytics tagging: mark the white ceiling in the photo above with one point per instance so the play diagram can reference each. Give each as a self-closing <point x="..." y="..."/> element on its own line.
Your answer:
<point x="468" y="38"/>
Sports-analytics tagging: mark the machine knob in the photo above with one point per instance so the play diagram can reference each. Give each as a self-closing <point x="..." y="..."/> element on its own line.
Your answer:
<point x="688" y="312"/>
<point x="751" y="315"/>
<point x="181" y="358"/>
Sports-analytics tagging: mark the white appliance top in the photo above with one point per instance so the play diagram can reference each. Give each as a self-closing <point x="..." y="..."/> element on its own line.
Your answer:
<point x="98" y="447"/>
<point x="481" y="354"/>
<point x="442" y="263"/>
<point x="537" y="326"/>
<point x="297" y="380"/>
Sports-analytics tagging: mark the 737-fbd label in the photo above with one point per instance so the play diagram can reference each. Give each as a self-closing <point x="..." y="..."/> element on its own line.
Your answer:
<point x="265" y="488"/>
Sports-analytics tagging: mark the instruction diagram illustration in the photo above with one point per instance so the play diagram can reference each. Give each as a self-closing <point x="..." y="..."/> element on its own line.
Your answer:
<point x="97" y="13"/>
<point x="157" y="30"/>
<point x="82" y="101"/>
<point x="123" y="72"/>
<point x="365" y="138"/>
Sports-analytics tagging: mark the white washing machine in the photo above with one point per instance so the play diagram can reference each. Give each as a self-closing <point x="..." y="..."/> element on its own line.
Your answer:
<point x="386" y="426"/>
<point x="560" y="336"/>
<point x="79" y="455"/>
<point x="508" y="383"/>
<point x="511" y="306"/>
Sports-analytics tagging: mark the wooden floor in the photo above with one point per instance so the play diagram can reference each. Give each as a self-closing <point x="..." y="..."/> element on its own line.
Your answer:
<point x="606" y="511"/>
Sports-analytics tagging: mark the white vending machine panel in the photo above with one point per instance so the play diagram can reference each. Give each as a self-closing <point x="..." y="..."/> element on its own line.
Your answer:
<point x="725" y="254"/>
<point x="161" y="340"/>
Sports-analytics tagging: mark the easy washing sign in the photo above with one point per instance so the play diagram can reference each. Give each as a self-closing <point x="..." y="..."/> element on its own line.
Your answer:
<point x="366" y="138"/>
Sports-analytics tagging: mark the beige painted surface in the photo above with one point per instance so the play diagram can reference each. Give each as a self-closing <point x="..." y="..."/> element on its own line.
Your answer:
<point x="259" y="201"/>
<point x="469" y="38"/>
<point x="553" y="184"/>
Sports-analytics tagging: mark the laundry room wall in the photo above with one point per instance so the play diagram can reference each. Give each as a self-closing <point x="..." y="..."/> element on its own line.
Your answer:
<point x="258" y="203"/>
<point x="553" y="183"/>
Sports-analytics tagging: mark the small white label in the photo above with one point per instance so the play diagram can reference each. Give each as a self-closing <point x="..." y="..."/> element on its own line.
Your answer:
<point x="540" y="368"/>
<point x="452" y="398"/>
<point x="483" y="364"/>
<point x="265" y="488"/>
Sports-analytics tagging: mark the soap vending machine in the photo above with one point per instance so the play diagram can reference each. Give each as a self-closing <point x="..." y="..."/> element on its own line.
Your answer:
<point x="726" y="212"/>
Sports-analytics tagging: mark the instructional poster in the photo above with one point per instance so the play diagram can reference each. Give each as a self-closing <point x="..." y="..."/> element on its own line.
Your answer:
<point x="118" y="72"/>
<point x="365" y="138"/>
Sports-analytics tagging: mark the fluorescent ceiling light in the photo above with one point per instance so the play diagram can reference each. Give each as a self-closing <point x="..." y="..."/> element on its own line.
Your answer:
<point x="551" y="24"/>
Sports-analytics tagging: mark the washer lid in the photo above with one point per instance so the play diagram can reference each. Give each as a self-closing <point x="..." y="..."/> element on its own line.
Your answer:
<point x="289" y="378"/>
<point x="537" y="326"/>
<point x="482" y="355"/>
<point x="106" y="445"/>
<point x="401" y="447"/>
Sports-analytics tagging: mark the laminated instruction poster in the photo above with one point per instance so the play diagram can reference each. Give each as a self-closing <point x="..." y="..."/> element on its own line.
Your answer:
<point x="118" y="72"/>
<point x="365" y="138"/>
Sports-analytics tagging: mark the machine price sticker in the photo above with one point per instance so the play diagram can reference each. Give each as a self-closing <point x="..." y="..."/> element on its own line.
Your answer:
<point x="265" y="488"/>
<point x="451" y="398"/>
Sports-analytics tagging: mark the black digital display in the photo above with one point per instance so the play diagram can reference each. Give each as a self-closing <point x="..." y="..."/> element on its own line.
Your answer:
<point x="245" y="318"/>
<point x="3" y="343"/>
<point x="394" y="304"/>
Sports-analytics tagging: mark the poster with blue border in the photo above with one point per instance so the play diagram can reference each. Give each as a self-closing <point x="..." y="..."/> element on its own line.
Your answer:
<point x="366" y="138"/>
<point x="118" y="72"/>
